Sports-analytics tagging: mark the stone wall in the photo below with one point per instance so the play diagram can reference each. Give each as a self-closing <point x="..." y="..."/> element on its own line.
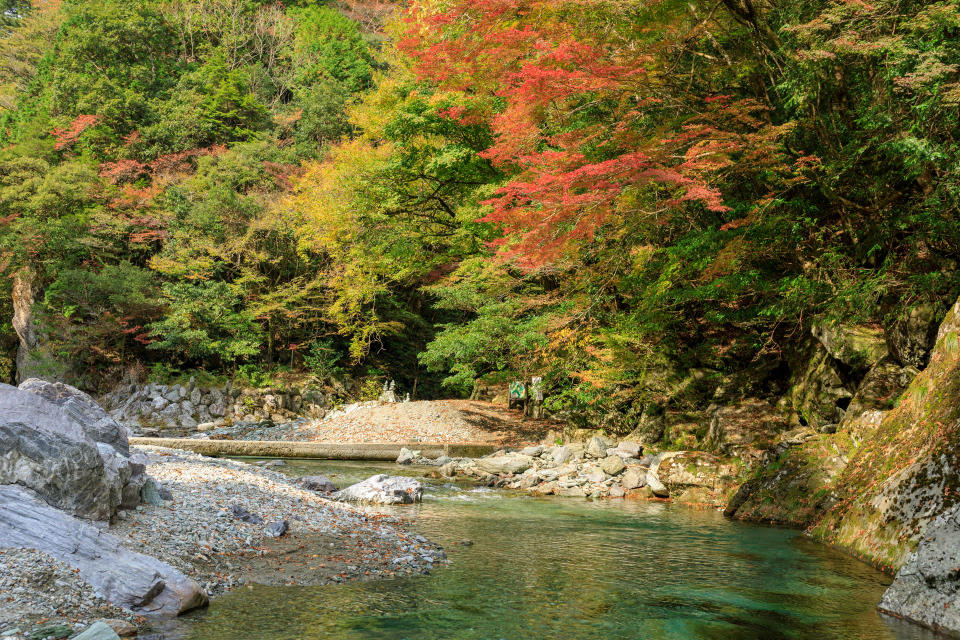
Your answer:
<point x="154" y="408"/>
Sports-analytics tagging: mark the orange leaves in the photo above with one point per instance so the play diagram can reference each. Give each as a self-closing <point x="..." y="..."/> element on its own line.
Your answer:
<point x="123" y="170"/>
<point x="68" y="137"/>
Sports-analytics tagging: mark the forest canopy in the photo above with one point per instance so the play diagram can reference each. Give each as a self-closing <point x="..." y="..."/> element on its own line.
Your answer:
<point x="607" y="194"/>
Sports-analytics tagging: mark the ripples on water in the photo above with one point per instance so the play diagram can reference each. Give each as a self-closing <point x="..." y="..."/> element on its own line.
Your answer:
<point x="566" y="568"/>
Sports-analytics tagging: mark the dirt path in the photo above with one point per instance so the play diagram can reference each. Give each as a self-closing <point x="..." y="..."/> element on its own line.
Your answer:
<point x="440" y="421"/>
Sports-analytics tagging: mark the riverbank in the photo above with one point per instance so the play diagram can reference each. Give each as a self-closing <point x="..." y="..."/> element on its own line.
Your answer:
<point x="215" y="520"/>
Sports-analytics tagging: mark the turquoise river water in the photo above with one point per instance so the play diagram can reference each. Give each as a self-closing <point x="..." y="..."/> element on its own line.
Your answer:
<point x="568" y="568"/>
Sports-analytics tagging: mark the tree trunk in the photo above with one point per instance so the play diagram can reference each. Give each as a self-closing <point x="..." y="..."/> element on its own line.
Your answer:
<point x="23" y="300"/>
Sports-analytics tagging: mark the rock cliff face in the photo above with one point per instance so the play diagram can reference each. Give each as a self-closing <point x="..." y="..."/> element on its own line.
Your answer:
<point x="927" y="588"/>
<point x="904" y="473"/>
<point x="23" y="300"/>
<point x="886" y="485"/>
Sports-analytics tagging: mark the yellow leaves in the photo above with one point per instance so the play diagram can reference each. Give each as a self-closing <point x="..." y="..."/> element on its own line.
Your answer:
<point x="327" y="205"/>
<point x="640" y="256"/>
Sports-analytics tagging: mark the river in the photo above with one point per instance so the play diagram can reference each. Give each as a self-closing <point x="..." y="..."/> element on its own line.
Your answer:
<point x="568" y="568"/>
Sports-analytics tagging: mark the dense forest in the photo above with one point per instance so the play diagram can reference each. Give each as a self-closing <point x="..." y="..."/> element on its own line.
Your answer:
<point x="621" y="197"/>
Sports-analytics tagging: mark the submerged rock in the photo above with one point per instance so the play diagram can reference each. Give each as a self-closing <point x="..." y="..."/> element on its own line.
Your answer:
<point x="322" y="484"/>
<point x="383" y="489"/>
<point x="134" y="581"/>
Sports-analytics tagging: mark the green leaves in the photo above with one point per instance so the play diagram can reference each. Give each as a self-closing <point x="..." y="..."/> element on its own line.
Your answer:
<point x="206" y="321"/>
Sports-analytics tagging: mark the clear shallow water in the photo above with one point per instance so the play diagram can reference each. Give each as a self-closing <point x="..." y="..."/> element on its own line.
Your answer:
<point x="565" y="568"/>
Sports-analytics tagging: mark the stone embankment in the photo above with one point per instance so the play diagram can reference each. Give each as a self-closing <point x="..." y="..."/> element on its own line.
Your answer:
<point x="92" y="528"/>
<point x="185" y="408"/>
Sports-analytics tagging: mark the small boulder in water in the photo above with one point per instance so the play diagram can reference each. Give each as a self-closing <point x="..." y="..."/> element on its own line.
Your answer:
<point x="509" y="463"/>
<point x="655" y="487"/>
<point x="407" y="456"/>
<point x="634" y="478"/>
<point x="383" y="489"/>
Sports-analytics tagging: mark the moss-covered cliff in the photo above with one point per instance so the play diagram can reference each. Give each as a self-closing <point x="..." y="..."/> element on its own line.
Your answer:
<point x="873" y="486"/>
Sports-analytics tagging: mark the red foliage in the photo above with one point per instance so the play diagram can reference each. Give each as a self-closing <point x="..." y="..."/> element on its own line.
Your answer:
<point x="523" y="53"/>
<point x="183" y="161"/>
<point x="68" y="137"/>
<point x="124" y="170"/>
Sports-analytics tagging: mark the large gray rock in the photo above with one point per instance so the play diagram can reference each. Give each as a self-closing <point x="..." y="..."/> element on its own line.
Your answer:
<point x="125" y="475"/>
<point x="656" y="487"/>
<point x="509" y="463"/>
<point x="927" y="588"/>
<point x="634" y="478"/>
<point x="94" y="420"/>
<point x="128" y="579"/>
<point x="597" y="447"/>
<point x="383" y="489"/>
<point x="43" y="449"/>
<point x="629" y="448"/>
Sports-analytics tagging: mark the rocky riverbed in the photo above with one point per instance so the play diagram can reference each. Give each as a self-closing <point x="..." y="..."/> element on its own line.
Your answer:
<point x="219" y="518"/>
<point x="215" y="527"/>
<point x="92" y="528"/>
<point x="599" y="468"/>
